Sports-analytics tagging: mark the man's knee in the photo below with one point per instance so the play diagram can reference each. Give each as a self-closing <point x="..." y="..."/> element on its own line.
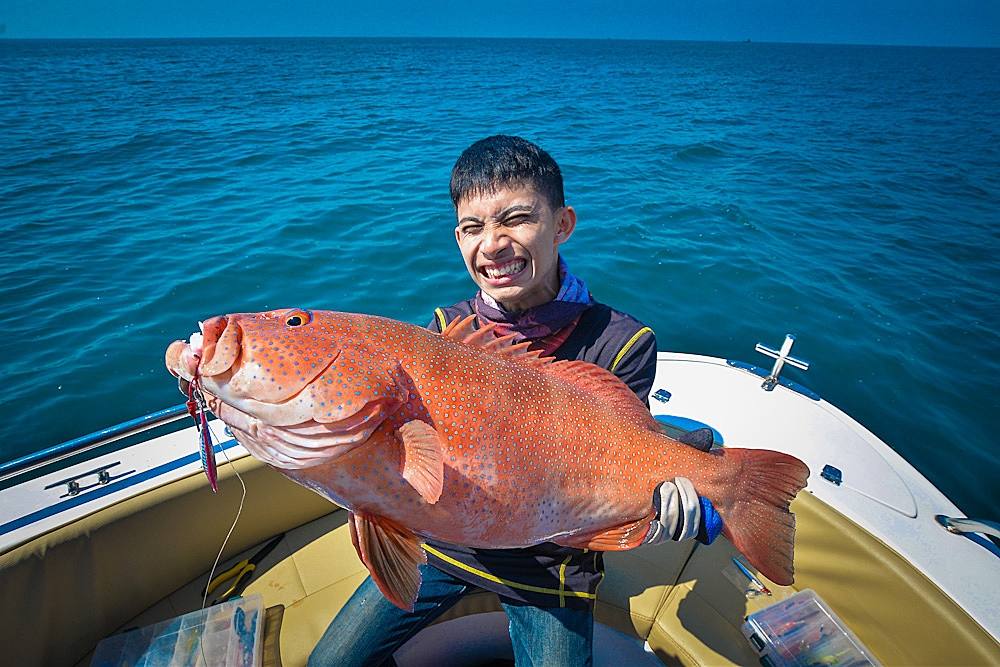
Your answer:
<point x="551" y="636"/>
<point x="327" y="653"/>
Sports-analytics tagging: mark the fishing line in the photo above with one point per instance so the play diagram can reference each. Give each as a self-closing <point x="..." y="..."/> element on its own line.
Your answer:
<point x="218" y="557"/>
<point x="236" y="520"/>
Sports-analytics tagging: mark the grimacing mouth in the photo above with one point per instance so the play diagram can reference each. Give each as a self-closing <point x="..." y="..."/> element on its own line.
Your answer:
<point x="497" y="270"/>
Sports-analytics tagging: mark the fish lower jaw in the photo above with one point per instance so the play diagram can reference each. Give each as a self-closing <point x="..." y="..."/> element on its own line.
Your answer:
<point x="259" y="440"/>
<point x="296" y="446"/>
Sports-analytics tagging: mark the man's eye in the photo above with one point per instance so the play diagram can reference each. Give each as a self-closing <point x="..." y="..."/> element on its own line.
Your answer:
<point x="472" y="229"/>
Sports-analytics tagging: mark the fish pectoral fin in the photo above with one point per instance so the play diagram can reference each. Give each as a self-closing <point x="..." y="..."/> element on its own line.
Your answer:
<point x="423" y="459"/>
<point x="392" y="555"/>
<point x="620" y="538"/>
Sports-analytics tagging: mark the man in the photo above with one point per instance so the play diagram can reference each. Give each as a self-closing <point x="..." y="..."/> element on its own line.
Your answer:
<point x="512" y="218"/>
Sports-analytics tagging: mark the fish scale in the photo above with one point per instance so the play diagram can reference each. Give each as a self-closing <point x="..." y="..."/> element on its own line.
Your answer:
<point x="469" y="439"/>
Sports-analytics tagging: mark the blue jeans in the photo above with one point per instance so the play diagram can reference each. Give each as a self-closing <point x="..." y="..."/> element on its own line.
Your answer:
<point x="369" y="628"/>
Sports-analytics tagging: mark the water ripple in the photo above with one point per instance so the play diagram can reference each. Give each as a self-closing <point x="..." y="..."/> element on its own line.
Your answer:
<point x="847" y="194"/>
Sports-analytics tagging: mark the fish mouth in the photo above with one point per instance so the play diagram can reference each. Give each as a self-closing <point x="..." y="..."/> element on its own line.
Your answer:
<point x="502" y="273"/>
<point x="212" y="350"/>
<point x="213" y="361"/>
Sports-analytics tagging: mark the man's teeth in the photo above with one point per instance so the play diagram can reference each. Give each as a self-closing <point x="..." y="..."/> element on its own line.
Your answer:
<point x="505" y="270"/>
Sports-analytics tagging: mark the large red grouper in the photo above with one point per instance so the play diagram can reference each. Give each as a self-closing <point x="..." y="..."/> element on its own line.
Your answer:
<point x="466" y="438"/>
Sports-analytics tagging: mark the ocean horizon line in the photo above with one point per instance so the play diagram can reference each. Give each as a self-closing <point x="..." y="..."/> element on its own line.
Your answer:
<point x="209" y="38"/>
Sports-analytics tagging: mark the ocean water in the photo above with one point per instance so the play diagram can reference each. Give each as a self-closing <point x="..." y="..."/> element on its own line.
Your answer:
<point x="726" y="193"/>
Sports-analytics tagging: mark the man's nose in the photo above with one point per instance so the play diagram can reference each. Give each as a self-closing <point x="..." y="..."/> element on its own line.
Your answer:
<point x="495" y="241"/>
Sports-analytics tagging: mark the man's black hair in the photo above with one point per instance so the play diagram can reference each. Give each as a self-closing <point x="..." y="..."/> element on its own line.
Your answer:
<point x="504" y="161"/>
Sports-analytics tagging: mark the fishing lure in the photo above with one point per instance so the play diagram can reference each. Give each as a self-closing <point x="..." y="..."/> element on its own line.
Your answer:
<point x="197" y="409"/>
<point x="750" y="575"/>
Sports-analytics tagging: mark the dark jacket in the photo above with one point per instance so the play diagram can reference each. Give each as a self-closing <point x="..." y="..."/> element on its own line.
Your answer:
<point x="549" y="575"/>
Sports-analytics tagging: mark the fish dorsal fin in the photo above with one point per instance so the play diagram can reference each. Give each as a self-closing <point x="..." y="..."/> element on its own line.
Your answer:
<point x="464" y="331"/>
<point x="605" y="385"/>
<point x="619" y="538"/>
<point x="586" y="376"/>
<point x="423" y="459"/>
<point x="392" y="555"/>
<point x="460" y="328"/>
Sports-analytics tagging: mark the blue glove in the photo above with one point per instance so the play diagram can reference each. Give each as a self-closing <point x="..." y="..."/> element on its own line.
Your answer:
<point x="711" y="522"/>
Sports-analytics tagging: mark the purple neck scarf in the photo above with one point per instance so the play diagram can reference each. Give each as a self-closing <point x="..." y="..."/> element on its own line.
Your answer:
<point x="543" y="320"/>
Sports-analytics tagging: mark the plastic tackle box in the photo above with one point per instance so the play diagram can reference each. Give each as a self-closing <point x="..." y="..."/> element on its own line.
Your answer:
<point x="801" y="631"/>
<point x="229" y="634"/>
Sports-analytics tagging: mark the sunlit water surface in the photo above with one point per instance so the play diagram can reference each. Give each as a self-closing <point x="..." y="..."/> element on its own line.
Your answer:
<point x="727" y="194"/>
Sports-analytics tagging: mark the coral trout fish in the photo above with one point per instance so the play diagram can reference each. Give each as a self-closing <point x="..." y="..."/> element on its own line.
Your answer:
<point x="466" y="438"/>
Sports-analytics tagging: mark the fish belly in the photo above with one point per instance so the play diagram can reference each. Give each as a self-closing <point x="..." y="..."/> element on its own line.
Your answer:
<point x="498" y="493"/>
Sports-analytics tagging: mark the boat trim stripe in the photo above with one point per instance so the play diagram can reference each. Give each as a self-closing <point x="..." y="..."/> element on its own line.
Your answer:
<point x="108" y="489"/>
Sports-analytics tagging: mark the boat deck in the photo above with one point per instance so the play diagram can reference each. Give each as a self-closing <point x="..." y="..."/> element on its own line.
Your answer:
<point x="138" y="549"/>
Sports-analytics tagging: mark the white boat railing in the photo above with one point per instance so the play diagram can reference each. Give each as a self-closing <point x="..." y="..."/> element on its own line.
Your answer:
<point x="44" y="457"/>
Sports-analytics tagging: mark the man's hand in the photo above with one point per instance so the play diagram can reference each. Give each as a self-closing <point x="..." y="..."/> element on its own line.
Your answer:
<point x="680" y="513"/>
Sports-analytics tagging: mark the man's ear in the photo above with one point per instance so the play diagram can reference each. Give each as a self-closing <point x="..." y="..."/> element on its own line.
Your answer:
<point x="565" y="224"/>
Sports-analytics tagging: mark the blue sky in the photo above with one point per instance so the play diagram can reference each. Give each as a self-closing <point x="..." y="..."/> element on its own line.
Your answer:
<point x="918" y="22"/>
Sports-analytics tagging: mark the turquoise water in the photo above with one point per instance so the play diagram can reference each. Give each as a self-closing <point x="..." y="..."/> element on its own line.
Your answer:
<point x="727" y="194"/>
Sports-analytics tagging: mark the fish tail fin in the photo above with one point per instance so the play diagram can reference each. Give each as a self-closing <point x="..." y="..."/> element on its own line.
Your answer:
<point x="756" y="518"/>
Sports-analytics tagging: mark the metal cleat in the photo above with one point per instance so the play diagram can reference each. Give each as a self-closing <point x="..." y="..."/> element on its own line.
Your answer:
<point x="104" y="477"/>
<point x="781" y="358"/>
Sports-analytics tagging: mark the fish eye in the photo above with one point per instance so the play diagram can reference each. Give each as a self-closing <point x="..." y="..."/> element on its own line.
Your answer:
<point x="298" y="318"/>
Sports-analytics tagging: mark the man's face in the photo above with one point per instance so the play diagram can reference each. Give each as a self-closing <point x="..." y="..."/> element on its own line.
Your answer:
<point x="510" y="243"/>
